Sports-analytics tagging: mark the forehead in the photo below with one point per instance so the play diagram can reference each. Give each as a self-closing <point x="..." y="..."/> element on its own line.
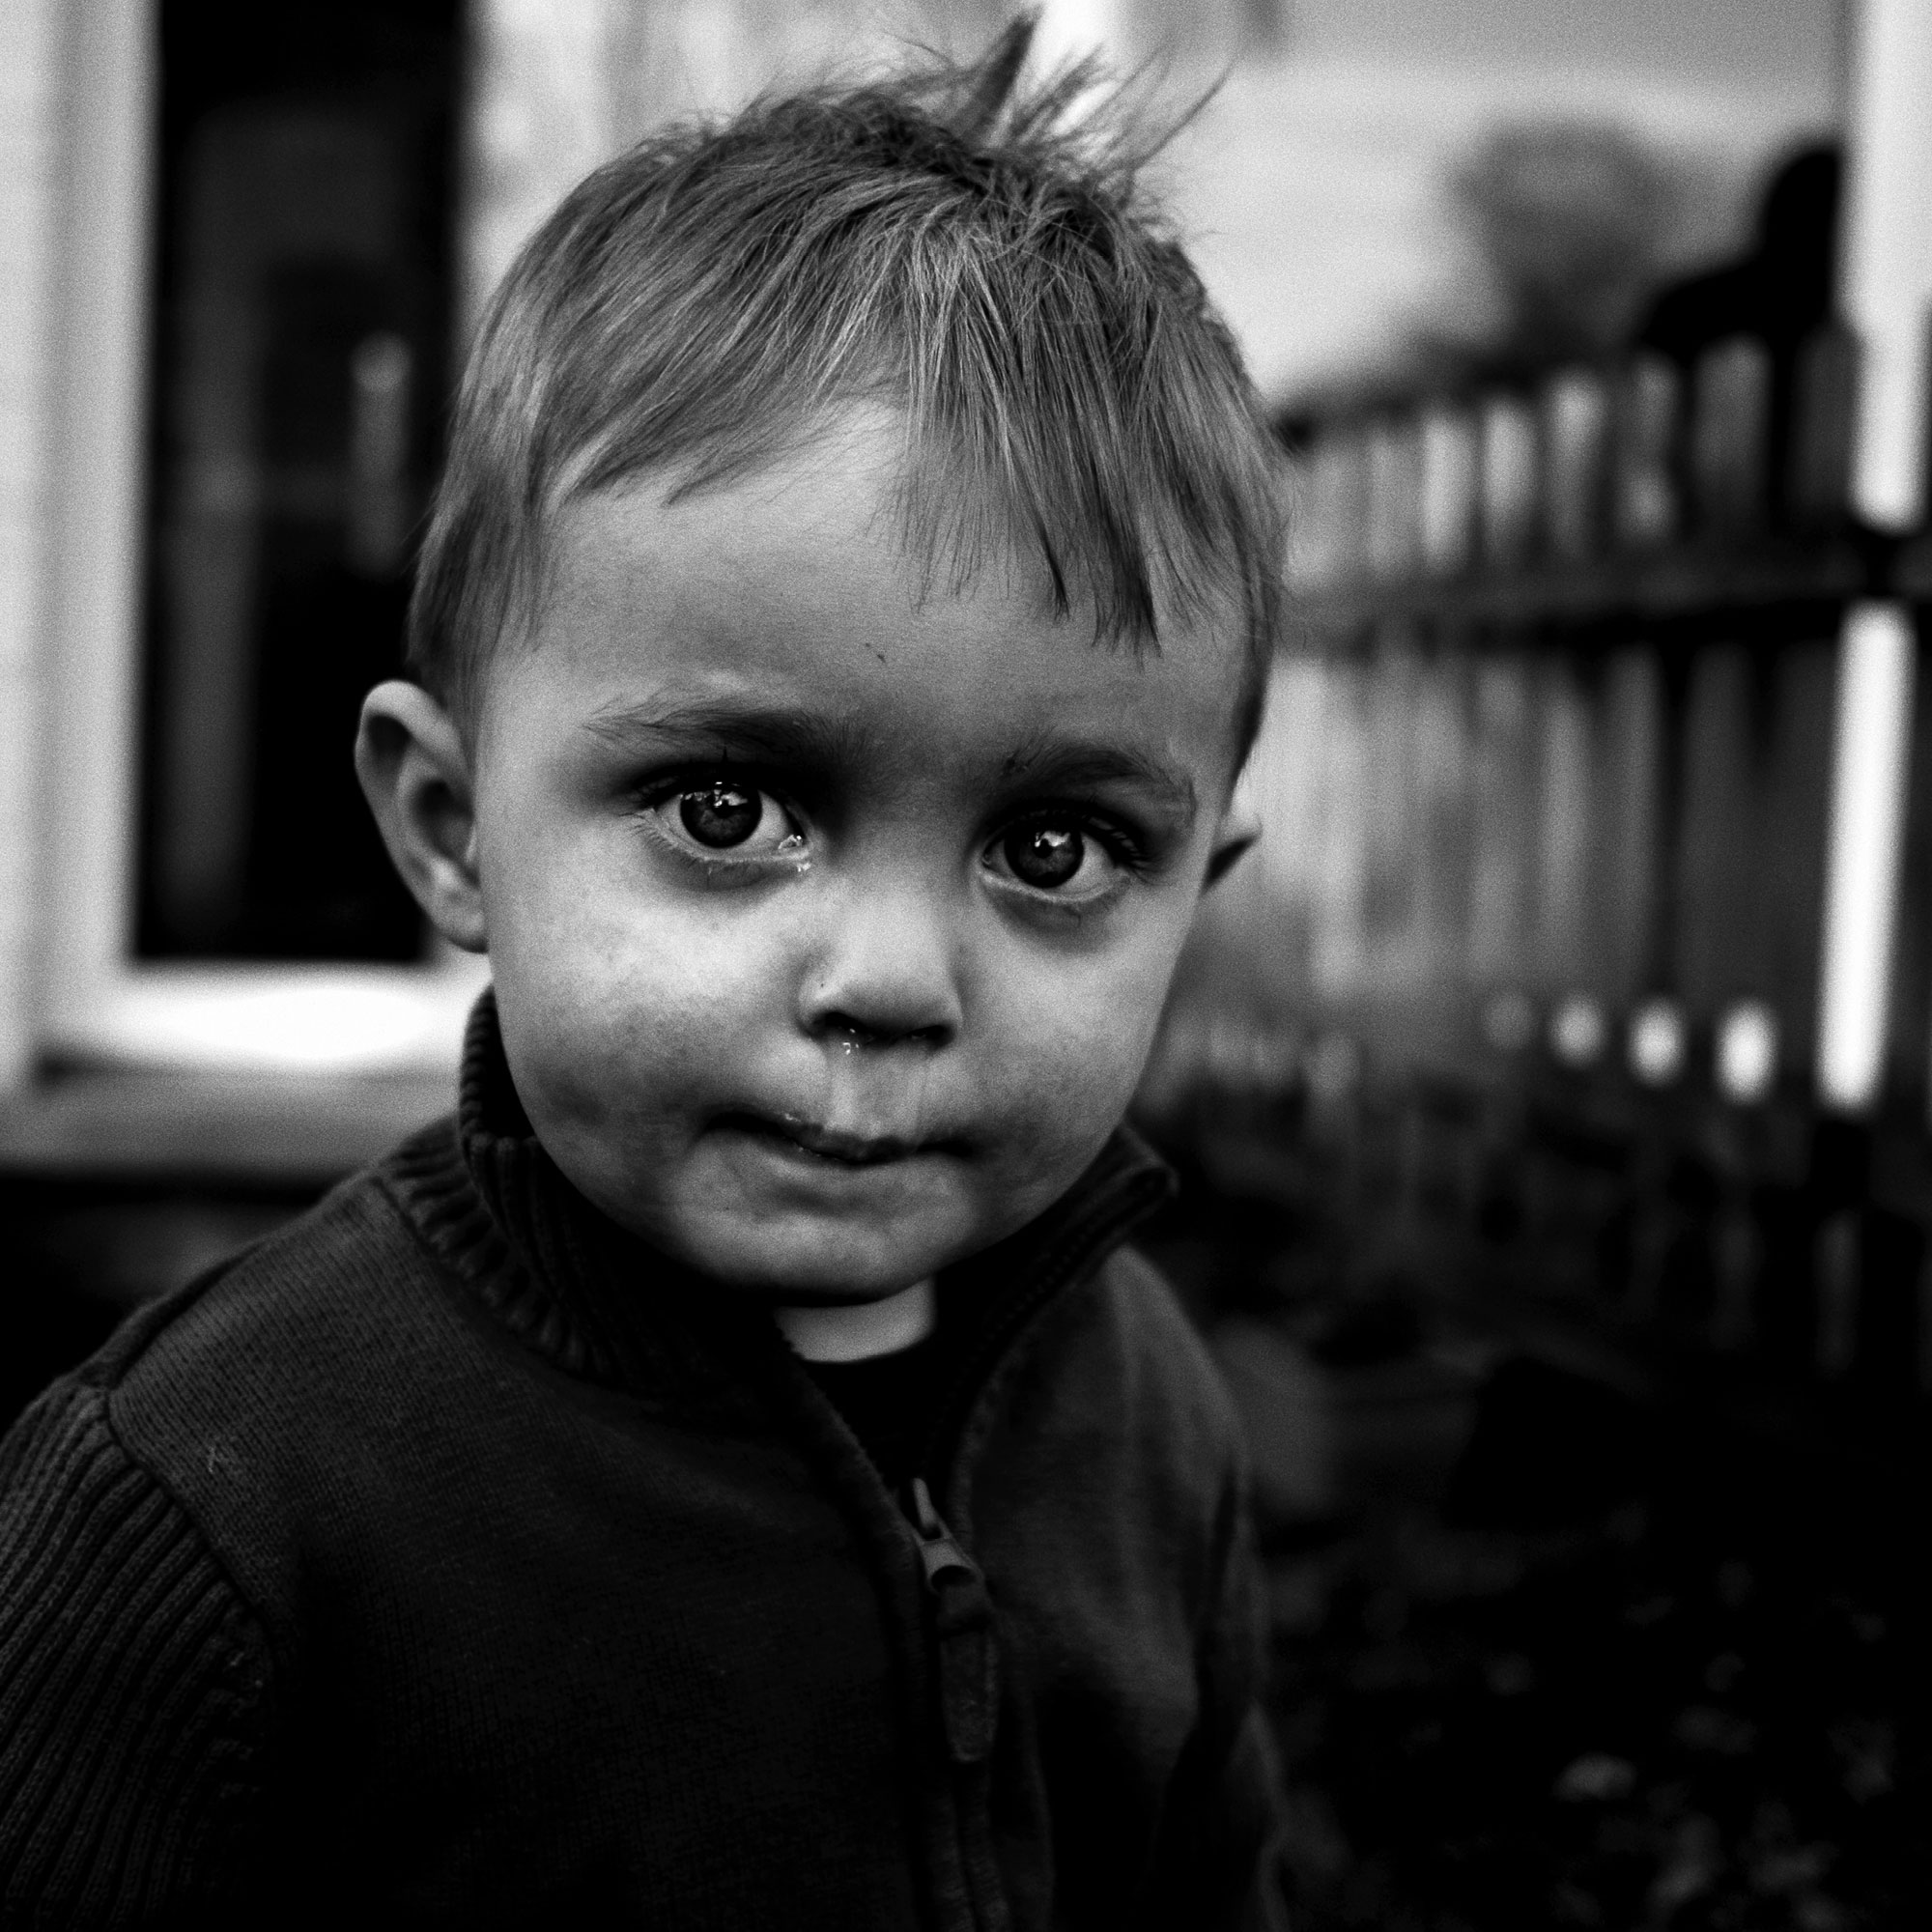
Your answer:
<point x="796" y="585"/>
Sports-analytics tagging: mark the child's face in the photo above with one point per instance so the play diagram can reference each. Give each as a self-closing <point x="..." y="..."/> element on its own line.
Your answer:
<point x="830" y="923"/>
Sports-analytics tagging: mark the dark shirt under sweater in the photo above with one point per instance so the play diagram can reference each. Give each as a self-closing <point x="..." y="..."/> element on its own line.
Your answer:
<point x="453" y="1560"/>
<point x="886" y="1403"/>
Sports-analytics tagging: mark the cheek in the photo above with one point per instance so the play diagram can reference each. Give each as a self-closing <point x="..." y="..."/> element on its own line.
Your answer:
<point x="1072" y="1043"/>
<point x="623" y="1012"/>
<point x="612" y="1001"/>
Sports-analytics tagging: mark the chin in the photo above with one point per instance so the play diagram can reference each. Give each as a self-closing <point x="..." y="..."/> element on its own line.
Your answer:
<point x="817" y="1264"/>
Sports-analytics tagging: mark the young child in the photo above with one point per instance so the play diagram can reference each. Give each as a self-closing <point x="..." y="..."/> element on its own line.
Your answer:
<point x="731" y="1474"/>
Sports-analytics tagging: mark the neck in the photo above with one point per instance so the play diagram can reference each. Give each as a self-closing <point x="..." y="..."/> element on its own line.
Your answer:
<point x="857" y="1330"/>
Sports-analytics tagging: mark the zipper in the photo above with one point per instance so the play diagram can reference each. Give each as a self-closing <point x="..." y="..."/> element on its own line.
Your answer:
<point x="960" y="1608"/>
<point x="960" y="1611"/>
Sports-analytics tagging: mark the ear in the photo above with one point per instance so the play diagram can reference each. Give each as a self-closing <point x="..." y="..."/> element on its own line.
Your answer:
<point x="415" y="774"/>
<point x="1238" y="830"/>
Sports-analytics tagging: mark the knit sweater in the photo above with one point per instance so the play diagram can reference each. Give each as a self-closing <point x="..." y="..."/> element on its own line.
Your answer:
<point x="452" y="1558"/>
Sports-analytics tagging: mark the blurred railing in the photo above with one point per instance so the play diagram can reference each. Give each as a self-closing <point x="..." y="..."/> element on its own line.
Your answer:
<point x="1522" y="987"/>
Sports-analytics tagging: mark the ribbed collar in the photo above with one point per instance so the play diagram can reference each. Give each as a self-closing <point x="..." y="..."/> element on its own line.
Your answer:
<point x="598" y="1302"/>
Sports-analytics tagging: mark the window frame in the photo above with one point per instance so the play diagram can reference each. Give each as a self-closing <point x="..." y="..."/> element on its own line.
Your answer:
<point x="98" y="1005"/>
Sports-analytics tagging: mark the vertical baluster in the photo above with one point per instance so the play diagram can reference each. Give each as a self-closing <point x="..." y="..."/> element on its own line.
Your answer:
<point x="1818" y="471"/>
<point x="1563" y="890"/>
<point x="1500" y="894"/>
<point x="1510" y="482"/>
<point x="1441" y="756"/>
<point x="1875" y="679"/>
<point x="1908" y="1043"/>
<point x="1450" y="479"/>
<point x="1716" y="896"/>
<point x="1278" y="886"/>
<point x="1577" y="446"/>
<point x="1629" y="839"/>
<point x="1729" y="424"/>
<point x="1393" y="542"/>
<point x="1336" y="957"/>
<point x="1325" y="540"/>
<point x="1794" y="836"/>
<point x="1303" y="512"/>
<point x="1645" y="498"/>
<point x="1384" y="816"/>
<point x="1509" y="512"/>
<point x="1657" y="1031"/>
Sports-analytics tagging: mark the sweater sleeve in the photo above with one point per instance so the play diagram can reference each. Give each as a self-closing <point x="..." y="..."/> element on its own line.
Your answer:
<point x="134" y="1688"/>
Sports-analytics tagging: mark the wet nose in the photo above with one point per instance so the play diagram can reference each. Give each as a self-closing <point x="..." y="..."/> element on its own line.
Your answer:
<point x="883" y="972"/>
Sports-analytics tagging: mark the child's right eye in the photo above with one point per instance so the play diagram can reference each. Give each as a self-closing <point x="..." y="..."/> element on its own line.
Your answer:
<point x="725" y="815"/>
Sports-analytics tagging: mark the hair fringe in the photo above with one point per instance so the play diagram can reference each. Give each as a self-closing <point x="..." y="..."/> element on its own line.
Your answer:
<point x="974" y="248"/>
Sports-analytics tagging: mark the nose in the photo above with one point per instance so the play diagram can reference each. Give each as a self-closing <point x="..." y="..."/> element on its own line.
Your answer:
<point x="883" y="971"/>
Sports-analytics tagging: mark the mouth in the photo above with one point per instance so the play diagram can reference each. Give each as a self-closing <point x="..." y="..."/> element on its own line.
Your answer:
<point x="835" y="1146"/>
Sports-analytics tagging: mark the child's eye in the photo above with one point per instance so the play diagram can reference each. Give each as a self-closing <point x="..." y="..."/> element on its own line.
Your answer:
<point x="1058" y="855"/>
<point x="1045" y="855"/>
<point x="722" y="816"/>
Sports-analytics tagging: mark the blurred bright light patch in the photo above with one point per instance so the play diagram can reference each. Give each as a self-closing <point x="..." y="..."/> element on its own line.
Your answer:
<point x="1875" y="679"/>
<point x="1748" y="1052"/>
<point x="1657" y="1042"/>
<point x="346" y="1020"/>
<point x="1578" y="1031"/>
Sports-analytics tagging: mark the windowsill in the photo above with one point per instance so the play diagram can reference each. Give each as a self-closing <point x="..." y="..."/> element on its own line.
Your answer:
<point x="249" y="1127"/>
<point x="242" y="1073"/>
<point x="216" y="1018"/>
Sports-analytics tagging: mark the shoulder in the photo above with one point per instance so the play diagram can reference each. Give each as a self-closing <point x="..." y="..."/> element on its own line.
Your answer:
<point x="268" y="1301"/>
<point x="1115" y="1365"/>
<point x="92" y="1540"/>
<point x="1131" y="1323"/>
<point x="1107" y="1489"/>
<point x="1135" y="1302"/>
<point x="262" y="1394"/>
<point x="136" y="1683"/>
<point x="309" y="1309"/>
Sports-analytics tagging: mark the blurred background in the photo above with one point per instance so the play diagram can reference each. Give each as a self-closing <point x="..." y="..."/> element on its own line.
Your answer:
<point x="1550" y="1088"/>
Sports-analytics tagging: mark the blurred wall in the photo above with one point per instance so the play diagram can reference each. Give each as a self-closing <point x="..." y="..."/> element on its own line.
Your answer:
<point x="30" y="34"/>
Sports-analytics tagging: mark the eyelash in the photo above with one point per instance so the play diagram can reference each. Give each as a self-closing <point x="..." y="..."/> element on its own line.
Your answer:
<point x="721" y="861"/>
<point x="1112" y="837"/>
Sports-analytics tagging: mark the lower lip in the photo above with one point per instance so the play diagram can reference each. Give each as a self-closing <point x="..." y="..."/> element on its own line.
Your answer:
<point x="795" y="1156"/>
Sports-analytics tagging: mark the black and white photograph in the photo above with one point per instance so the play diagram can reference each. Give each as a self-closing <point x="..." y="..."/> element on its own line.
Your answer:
<point x="965" y="965"/>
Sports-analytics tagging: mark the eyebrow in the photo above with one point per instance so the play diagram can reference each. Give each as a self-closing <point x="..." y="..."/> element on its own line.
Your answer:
<point x="768" y="731"/>
<point x="1077" y="762"/>
<point x="793" y="736"/>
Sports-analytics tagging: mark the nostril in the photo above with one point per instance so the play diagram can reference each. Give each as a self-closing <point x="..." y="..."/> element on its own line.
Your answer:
<point x="844" y="1031"/>
<point x="848" y="1033"/>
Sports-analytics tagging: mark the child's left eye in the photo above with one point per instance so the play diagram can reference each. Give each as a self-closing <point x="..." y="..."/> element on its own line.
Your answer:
<point x="724" y="815"/>
<point x="1057" y="854"/>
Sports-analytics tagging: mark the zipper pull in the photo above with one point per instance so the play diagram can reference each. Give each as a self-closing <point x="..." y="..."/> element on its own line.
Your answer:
<point x="962" y="1619"/>
<point x="939" y="1548"/>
